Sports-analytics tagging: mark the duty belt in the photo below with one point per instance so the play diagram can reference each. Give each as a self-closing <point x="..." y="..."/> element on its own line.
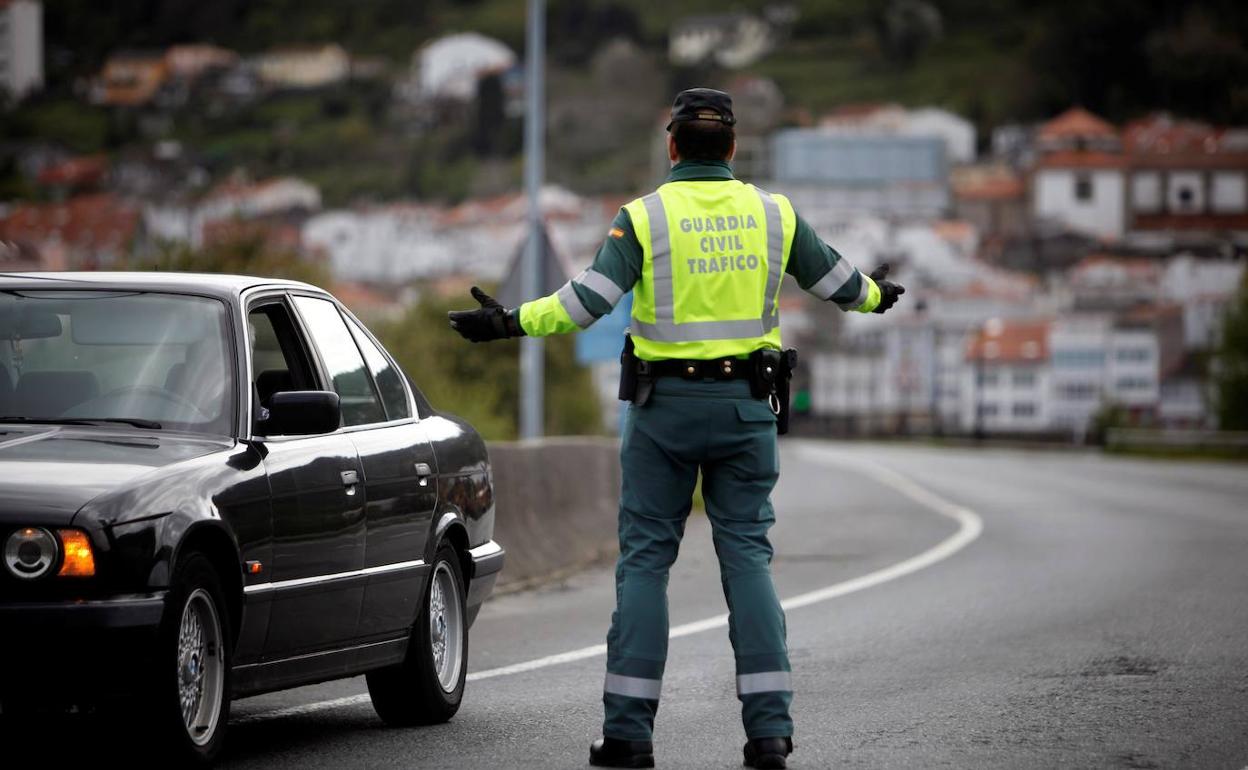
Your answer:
<point x="695" y="369"/>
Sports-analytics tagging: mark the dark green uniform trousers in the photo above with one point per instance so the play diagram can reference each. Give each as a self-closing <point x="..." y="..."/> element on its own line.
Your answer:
<point x="718" y="428"/>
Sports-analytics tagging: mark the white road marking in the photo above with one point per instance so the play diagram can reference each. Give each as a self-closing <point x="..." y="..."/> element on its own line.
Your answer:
<point x="970" y="525"/>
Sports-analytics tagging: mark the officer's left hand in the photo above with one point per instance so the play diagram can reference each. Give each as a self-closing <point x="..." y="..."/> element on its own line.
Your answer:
<point x="490" y="322"/>
<point x="889" y="291"/>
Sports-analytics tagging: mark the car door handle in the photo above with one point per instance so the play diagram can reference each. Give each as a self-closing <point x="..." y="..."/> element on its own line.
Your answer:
<point x="349" y="480"/>
<point x="423" y="472"/>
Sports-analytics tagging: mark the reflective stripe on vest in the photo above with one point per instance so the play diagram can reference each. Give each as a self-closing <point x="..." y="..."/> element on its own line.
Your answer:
<point x="665" y="328"/>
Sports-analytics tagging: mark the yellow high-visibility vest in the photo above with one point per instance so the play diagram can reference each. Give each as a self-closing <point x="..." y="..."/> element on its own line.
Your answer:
<point x="715" y="255"/>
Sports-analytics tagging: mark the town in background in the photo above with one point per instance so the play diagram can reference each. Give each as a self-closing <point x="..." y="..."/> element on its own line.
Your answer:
<point x="1071" y="253"/>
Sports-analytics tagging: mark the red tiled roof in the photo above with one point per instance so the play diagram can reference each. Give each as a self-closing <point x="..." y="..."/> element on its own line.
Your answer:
<point x="1010" y="342"/>
<point x="1141" y="267"/>
<point x="86" y="221"/>
<point x="992" y="189"/>
<point x="1076" y="122"/>
<point x="85" y="170"/>
<point x="1082" y="159"/>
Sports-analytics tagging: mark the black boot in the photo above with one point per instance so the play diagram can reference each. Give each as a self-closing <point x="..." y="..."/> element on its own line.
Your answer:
<point x="768" y="752"/>
<point x="613" y="752"/>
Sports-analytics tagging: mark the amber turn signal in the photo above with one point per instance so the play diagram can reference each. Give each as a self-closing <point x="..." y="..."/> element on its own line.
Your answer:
<point x="79" y="561"/>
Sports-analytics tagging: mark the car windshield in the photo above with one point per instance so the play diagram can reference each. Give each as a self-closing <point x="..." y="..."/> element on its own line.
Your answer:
<point x="146" y="359"/>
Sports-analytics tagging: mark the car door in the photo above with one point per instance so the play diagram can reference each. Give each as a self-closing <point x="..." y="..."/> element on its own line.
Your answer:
<point x="399" y="470"/>
<point x="316" y="582"/>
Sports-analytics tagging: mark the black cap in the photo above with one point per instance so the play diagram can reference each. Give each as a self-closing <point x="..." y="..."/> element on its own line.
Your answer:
<point x="702" y="104"/>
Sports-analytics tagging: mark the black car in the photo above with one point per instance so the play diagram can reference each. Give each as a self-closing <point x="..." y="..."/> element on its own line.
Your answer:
<point x="216" y="486"/>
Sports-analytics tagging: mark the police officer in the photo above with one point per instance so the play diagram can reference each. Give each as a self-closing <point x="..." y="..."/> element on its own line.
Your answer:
<point x="704" y="256"/>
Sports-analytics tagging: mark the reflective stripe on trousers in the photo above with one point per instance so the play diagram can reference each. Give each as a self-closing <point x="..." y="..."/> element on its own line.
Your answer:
<point x="633" y="686"/>
<point x="665" y="328"/>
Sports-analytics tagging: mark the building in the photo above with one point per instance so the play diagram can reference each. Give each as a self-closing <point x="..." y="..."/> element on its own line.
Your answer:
<point x="956" y="132"/>
<point x="192" y="61"/>
<point x="1160" y="184"/>
<point x="892" y="176"/>
<point x="401" y="242"/>
<point x="83" y="232"/>
<point x="300" y="67"/>
<point x="21" y="47"/>
<point x="236" y="199"/>
<point x="1189" y="181"/>
<point x="993" y="198"/>
<point x="731" y="40"/>
<point x="449" y="67"/>
<point x="1006" y="385"/>
<point x="1079" y="179"/>
<point x="1204" y="288"/>
<point x="130" y="79"/>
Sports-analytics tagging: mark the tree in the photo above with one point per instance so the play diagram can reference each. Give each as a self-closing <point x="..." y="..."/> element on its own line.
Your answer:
<point x="1231" y="365"/>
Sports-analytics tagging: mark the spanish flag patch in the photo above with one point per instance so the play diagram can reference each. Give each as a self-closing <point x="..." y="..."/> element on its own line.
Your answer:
<point x="616" y="232"/>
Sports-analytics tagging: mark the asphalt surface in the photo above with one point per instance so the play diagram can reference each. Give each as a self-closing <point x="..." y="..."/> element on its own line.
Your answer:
<point x="1100" y="619"/>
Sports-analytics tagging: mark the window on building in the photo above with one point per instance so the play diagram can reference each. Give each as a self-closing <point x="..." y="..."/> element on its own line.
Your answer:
<point x="1186" y="192"/>
<point x="987" y="379"/>
<point x="1077" y="358"/>
<point x="1146" y="192"/>
<point x="1133" y="383"/>
<point x="1077" y="391"/>
<point x="1083" y="187"/>
<point x="1230" y="192"/>
<point x="1024" y="379"/>
<point x="1136" y="355"/>
<point x="988" y="410"/>
<point x="1024" y="409"/>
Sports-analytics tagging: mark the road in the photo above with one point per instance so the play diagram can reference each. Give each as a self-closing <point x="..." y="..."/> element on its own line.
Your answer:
<point x="1100" y="619"/>
<point x="1019" y="609"/>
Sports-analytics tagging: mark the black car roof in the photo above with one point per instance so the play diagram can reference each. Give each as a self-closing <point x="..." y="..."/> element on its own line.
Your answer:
<point x="227" y="287"/>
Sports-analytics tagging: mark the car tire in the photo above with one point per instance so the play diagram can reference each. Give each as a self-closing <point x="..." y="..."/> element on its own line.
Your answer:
<point x="427" y="687"/>
<point x="189" y="701"/>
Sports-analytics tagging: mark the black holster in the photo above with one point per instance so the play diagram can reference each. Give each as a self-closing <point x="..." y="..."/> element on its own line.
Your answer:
<point x="771" y="374"/>
<point x="635" y="384"/>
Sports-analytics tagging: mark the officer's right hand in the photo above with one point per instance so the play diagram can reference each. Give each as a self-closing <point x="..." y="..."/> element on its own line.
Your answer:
<point x="491" y="321"/>
<point x="889" y="291"/>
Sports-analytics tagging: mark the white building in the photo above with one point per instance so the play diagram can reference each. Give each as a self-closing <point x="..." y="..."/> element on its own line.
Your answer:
<point x="955" y="131"/>
<point x="1080" y="177"/>
<point x="185" y="222"/>
<point x="21" y="47"/>
<point x="1203" y="288"/>
<point x="304" y="66"/>
<point x="1006" y="387"/>
<point x="731" y="40"/>
<point x="449" y="67"/>
<point x="403" y="242"/>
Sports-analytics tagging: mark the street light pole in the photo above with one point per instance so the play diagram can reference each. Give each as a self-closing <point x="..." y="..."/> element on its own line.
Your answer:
<point x="532" y="372"/>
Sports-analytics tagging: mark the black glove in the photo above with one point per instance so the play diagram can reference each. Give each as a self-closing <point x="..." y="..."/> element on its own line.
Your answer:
<point x="889" y="291"/>
<point x="491" y="322"/>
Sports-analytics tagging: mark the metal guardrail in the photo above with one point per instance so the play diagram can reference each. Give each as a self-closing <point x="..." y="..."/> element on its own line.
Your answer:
<point x="1139" y="438"/>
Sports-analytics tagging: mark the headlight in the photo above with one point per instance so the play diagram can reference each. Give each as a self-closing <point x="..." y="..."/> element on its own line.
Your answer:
<point x="29" y="553"/>
<point x="79" y="560"/>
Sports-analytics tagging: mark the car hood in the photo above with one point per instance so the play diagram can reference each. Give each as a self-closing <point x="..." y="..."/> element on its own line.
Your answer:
<point x="47" y="473"/>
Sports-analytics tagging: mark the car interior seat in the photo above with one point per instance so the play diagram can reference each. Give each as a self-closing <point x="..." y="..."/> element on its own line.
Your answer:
<point x="173" y="380"/>
<point x="272" y="381"/>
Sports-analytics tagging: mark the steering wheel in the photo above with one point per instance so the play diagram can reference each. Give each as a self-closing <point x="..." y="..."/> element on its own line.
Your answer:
<point x="152" y="390"/>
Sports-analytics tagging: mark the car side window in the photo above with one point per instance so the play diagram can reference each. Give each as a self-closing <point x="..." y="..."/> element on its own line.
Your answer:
<point x="385" y="374"/>
<point x="278" y="359"/>
<point x="345" y="365"/>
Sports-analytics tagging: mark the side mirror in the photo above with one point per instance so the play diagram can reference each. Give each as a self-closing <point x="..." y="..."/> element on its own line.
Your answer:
<point x="302" y="413"/>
